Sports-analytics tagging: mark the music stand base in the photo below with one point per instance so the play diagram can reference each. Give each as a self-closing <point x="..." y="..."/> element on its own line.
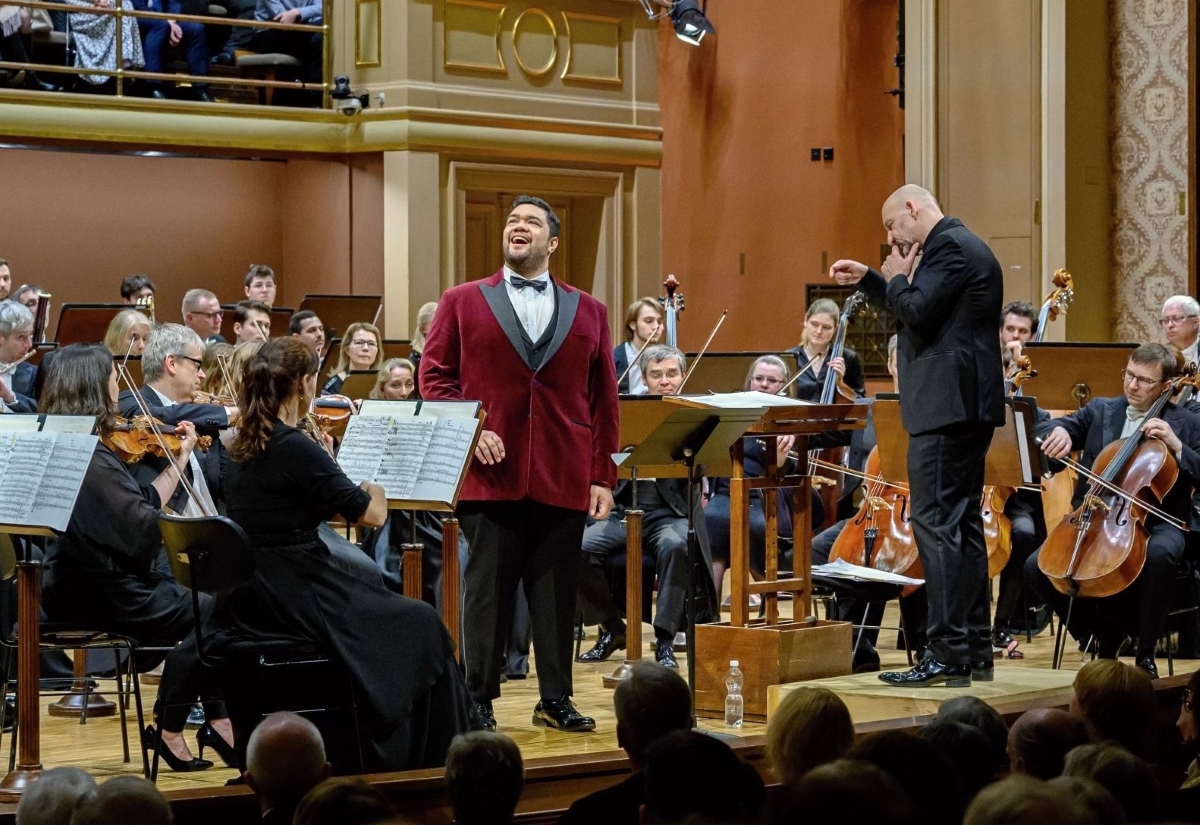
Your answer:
<point x="71" y="705"/>
<point x="20" y="779"/>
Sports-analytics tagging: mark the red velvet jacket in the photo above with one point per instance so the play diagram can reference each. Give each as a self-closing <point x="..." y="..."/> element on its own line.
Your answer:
<point x="560" y="423"/>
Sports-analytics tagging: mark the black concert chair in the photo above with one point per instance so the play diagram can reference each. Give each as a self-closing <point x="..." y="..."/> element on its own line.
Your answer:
<point x="1185" y="602"/>
<point x="213" y="555"/>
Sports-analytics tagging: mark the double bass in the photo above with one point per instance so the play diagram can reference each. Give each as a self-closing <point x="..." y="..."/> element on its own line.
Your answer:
<point x="835" y="391"/>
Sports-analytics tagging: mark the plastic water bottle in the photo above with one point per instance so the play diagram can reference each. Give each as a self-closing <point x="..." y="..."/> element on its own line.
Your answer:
<point x="734" y="702"/>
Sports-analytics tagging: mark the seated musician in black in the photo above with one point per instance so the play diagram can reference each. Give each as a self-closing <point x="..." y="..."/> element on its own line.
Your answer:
<point x="108" y="569"/>
<point x="820" y="327"/>
<point x="664" y="531"/>
<point x="1091" y="429"/>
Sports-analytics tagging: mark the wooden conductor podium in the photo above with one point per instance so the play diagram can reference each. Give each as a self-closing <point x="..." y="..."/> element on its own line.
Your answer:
<point x="771" y="651"/>
<point x="1071" y="374"/>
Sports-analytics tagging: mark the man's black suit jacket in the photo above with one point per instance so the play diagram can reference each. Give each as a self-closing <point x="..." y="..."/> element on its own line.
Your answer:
<point x="949" y="353"/>
<point x="22" y="386"/>
<point x="621" y="362"/>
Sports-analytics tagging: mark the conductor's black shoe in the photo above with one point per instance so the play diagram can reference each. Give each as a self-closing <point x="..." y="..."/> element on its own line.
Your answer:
<point x="1146" y="663"/>
<point x="482" y="717"/>
<point x="983" y="670"/>
<point x="562" y="715"/>
<point x="664" y="653"/>
<point x="929" y="673"/>
<point x="607" y="644"/>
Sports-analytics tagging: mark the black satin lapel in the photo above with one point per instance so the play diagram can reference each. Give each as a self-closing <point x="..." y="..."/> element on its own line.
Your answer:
<point x="568" y="305"/>
<point x="497" y="299"/>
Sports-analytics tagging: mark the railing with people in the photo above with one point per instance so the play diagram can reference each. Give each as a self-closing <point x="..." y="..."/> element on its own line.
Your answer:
<point x="121" y="10"/>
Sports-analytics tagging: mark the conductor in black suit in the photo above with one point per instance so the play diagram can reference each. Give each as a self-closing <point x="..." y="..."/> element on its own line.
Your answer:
<point x="951" y="401"/>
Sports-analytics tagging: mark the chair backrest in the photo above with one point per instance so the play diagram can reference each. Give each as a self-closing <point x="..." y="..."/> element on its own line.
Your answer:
<point x="209" y="554"/>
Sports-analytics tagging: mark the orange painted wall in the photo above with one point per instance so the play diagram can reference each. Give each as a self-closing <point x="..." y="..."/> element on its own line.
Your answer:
<point x="739" y="117"/>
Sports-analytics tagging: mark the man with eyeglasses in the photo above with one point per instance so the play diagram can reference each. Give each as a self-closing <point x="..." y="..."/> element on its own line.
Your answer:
<point x="1181" y="324"/>
<point x="1103" y="421"/>
<point x="202" y="314"/>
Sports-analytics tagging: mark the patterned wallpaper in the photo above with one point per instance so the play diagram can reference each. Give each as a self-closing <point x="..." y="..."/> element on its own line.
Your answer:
<point x="1149" y="135"/>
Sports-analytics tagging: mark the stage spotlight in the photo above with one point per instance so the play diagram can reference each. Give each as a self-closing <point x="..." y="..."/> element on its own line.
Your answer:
<point x="690" y="23"/>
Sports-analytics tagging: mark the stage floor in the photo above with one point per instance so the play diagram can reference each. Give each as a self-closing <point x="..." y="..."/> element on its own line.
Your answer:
<point x="1022" y="683"/>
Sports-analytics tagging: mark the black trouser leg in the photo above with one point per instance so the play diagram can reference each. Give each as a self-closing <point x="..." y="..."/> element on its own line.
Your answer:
<point x="945" y="471"/>
<point x="601" y="541"/>
<point x="184" y="679"/>
<point x="1153" y="587"/>
<point x="666" y="535"/>
<point x="1012" y="577"/>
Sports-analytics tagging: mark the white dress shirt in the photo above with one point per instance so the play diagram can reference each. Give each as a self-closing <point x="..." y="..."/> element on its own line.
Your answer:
<point x="1133" y="422"/>
<point x="637" y="386"/>
<point x="7" y="378"/>
<point x="534" y="309"/>
<point x="192" y="509"/>
<point x="1189" y="354"/>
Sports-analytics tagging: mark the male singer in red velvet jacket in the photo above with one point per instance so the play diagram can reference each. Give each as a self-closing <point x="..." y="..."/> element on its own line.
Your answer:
<point x="537" y="354"/>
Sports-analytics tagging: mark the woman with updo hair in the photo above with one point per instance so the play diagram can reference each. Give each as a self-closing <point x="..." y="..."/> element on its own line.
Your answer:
<point x="281" y="486"/>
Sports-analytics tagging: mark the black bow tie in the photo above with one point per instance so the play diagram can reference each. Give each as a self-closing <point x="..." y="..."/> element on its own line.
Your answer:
<point x="520" y="283"/>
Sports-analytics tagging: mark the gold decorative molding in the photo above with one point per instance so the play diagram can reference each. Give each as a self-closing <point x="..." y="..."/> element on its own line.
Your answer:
<point x="368" y="19"/>
<point x="589" y="50"/>
<point x="534" y="14"/>
<point x="471" y="36"/>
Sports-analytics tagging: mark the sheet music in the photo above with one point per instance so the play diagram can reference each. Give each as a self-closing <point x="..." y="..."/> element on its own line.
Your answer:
<point x="749" y="398"/>
<point x="20" y="423"/>
<point x="455" y="409"/>
<point x="359" y="454"/>
<point x="855" y="572"/>
<point x="406" y="447"/>
<point x="448" y="453"/>
<point x="1023" y="447"/>
<point x="415" y="458"/>
<point x="68" y="463"/>
<point x="380" y="406"/>
<point x="28" y="455"/>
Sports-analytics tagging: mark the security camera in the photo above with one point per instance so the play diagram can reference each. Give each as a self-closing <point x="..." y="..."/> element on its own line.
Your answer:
<point x="345" y="99"/>
<point x="349" y="106"/>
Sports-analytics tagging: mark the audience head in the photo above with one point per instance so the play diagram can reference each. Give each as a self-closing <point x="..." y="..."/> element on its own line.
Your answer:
<point x="285" y="758"/>
<point x="173" y="361"/>
<point x="1041" y="738"/>
<point x="16" y="331"/>
<point x="424" y="321"/>
<point x="485" y="777"/>
<point x="283" y="372"/>
<point x="663" y="368"/>
<point x="1180" y="320"/>
<point x="530" y="236"/>
<point x="973" y="711"/>
<point x="135" y="287"/>
<point x="650" y="703"/>
<point x="27" y="296"/>
<point x="911" y="761"/>
<point x="690" y="777"/>
<point x="1188" y="724"/>
<point x="362" y="349"/>
<point x="909" y="215"/>
<point x="5" y="280"/>
<point x="1090" y="799"/>
<point x="395" y="380"/>
<point x="848" y="791"/>
<point x="643" y="321"/>
<point x="966" y="749"/>
<point x="127" y="333"/>
<point x="820" y="322"/>
<point x="1023" y="800"/>
<point x="123" y="800"/>
<point x="1018" y="322"/>
<point x="1125" y="776"/>
<point x="306" y="326"/>
<point x="202" y="312"/>
<point x="1116" y="700"/>
<point x="344" y="801"/>
<point x="53" y="798"/>
<point x="260" y="284"/>
<point x="252" y="321"/>
<point x="768" y="374"/>
<point x="80" y="380"/>
<point x="810" y="727"/>
<point x="214" y="374"/>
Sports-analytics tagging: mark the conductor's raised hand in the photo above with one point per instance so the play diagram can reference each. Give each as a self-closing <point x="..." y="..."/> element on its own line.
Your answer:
<point x="899" y="262"/>
<point x="847" y="272"/>
<point x="490" y="449"/>
<point x="600" y="502"/>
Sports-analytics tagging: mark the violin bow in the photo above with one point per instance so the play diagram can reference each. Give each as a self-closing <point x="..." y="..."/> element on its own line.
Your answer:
<point x="1113" y="488"/>
<point x="808" y="366"/>
<point x="634" y="360"/>
<point x="703" y="349"/>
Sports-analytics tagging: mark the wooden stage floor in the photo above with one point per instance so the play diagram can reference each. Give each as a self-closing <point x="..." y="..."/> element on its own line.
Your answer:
<point x="1028" y="682"/>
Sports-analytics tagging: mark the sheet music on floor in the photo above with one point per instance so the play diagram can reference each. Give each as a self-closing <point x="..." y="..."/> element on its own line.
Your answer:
<point x="841" y="569"/>
<point x="41" y="472"/>
<point x="417" y="459"/>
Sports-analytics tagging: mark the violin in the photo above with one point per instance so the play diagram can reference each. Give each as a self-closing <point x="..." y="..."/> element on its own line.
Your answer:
<point x="1100" y="548"/>
<point x="202" y="397"/>
<point x="880" y="535"/>
<point x="132" y="439"/>
<point x="330" y="413"/>
<point x="997" y="527"/>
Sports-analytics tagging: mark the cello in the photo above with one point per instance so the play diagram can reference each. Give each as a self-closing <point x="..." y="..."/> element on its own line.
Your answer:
<point x="1099" y="549"/>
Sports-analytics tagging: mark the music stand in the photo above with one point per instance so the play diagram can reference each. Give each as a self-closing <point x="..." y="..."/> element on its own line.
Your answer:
<point x="85" y="323"/>
<point x="726" y="371"/>
<point x="337" y="312"/>
<point x="1071" y="374"/>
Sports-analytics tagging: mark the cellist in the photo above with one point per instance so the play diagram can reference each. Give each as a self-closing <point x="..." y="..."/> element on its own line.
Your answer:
<point x="1091" y="429"/>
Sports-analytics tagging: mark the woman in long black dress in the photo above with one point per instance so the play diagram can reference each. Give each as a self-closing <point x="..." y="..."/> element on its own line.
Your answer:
<point x="281" y="486"/>
<point x="109" y="571"/>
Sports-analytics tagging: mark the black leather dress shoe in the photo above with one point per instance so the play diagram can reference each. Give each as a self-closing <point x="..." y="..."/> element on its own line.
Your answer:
<point x="562" y="715"/>
<point x="664" y="653"/>
<point x="930" y="672"/>
<point x="202" y="95"/>
<point x="983" y="670"/>
<point x="482" y="717"/>
<point x="1146" y="663"/>
<point x="606" y="645"/>
<point x="32" y="81"/>
<point x="221" y="59"/>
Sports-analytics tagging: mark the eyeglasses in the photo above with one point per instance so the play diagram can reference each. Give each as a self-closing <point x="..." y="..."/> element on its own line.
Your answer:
<point x="1175" y="320"/>
<point x="1127" y="376"/>
<point x="762" y="379"/>
<point x="216" y="314"/>
<point x="199" y="364"/>
<point x="364" y="344"/>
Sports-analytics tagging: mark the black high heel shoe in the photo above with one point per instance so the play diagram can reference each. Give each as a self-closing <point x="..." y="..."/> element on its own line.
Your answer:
<point x="173" y="762"/>
<point x="207" y="737"/>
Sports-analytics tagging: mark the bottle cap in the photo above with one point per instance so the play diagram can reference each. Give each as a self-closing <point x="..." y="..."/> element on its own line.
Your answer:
<point x="733" y="663"/>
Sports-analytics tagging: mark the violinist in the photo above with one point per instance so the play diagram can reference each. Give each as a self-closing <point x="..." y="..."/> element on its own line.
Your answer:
<point x="213" y="383"/>
<point x="306" y="326"/>
<point x="1104" y="420"/>
<point x="820" y="327"/>
<point x="108" y="569"/>
<point x="664" y="533"/>
<point x="643" y="323"/>
<point x="127" y="333"/>
<point x="16" y="377"/>
<point x="395" y="380"/>
<point x="251" y="322"/>
<point x="1181" y="324"/>
<point x="362" y="349"/>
